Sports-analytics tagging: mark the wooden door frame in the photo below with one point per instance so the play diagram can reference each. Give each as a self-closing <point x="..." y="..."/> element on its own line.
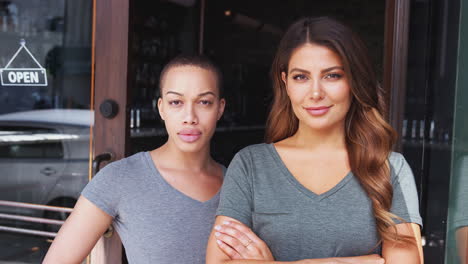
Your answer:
<point x="111" y="33"/>
<point x="111" y="20"/>
<point x="111" y="49"/>
<point x="397" y="14"/>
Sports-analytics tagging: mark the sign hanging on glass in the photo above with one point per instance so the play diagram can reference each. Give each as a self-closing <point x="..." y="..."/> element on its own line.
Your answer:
<point x="23" y="76"/>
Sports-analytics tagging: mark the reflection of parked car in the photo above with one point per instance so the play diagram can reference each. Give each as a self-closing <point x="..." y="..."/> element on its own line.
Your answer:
<point x="44" y="158"/>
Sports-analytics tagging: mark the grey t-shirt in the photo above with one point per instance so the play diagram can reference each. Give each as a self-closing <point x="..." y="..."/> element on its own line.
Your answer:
<point x="156" y="222"/>
<point x="259" y="191"/>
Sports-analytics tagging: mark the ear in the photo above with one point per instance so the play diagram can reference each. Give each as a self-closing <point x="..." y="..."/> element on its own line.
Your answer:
<point x="222" y="105"/>
<point x="161" y="108"/>
<point x="283" y="77"/>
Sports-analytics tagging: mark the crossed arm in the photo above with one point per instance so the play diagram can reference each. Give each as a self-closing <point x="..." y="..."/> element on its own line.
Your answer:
<point x="235" y="243"/>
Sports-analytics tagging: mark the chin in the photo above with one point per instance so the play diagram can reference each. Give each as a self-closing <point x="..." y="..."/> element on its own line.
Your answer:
<point x="321" y="126"/>
<point x="193" y="147"/>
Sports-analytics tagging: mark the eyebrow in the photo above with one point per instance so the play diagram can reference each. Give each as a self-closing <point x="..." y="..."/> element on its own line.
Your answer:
<point x="199" y="95"/>
<point x="176" y="93"/>
<point x="322" y="71"/>
<point x="206" y="93"/>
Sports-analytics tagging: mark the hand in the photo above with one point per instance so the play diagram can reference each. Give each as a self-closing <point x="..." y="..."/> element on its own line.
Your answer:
<point x="239" y="242"/>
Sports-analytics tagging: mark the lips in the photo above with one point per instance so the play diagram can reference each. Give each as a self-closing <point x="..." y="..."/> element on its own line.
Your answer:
<point x="318" y="111"/>
<point x="189" y="135"/>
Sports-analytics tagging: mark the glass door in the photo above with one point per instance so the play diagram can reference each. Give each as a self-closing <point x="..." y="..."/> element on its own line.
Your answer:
<point x="45" y="120"/>
<point x="434" y="127"/>
<point x="457" y="231"/>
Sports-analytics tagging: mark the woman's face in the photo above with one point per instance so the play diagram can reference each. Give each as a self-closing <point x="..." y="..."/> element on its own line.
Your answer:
<point x="190" y="106"/>
<point x="318" y="87"/>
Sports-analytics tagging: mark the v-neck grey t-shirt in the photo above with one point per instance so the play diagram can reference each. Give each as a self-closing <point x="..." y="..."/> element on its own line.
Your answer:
<point x="156" y="222"/>
<point x="259" y="191"/>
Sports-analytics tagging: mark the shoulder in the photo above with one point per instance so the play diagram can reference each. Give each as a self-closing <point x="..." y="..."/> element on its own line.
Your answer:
<point x="254" y="150"/>
<point x="396" y="159"/>
<point x="116" y="176"/>
<point x="114" y="181"/>
<point x="124" y="167"/>
<point x="399" y="167"/>
<point x="249" y="158"/>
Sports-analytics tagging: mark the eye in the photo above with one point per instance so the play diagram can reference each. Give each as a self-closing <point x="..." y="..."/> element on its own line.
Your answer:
<point x="206" y="102"/>
<point x="175" y="102"/>
<point x="333" y="76"/>
<point x="300" y="77"/>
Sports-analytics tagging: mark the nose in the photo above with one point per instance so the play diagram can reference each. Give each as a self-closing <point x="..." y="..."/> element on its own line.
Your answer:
<point x="190" y="115"/>
<point x="316" y="91"/>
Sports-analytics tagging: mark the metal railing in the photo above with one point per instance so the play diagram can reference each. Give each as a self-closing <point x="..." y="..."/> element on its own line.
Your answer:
<point x="32" y="219"/>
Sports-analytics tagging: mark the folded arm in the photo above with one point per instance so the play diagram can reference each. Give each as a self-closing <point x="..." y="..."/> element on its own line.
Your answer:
<point x="235" y="244"/>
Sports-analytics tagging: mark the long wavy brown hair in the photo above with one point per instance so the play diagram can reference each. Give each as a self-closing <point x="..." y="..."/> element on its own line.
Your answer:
<point x="369" y="138"/>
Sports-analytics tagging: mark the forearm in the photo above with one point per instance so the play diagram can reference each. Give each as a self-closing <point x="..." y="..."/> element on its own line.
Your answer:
<point x="234" y="243"/>
<point x="246" y="261"/>
<point x="66" y="249"/>
<point x="79" y="234"/>
<point x="371" y="259"/>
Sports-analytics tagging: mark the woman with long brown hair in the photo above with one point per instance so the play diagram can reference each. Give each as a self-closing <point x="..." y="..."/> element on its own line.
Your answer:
<point x="326" y="187"/>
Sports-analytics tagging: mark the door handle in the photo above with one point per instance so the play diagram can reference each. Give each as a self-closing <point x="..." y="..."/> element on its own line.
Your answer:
<point x="109" y="108"/>
<point x="107" y="156"/>
<point x="47" y="171"/>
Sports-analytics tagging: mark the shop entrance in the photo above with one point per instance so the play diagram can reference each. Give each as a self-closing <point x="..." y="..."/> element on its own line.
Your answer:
<point x="102" y="61"/>
<point x="46" y="119"/>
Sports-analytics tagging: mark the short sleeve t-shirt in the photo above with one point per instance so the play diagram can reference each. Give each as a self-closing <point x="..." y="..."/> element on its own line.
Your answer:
<point x="156" y="222"/>
<point x="296" y="223"/>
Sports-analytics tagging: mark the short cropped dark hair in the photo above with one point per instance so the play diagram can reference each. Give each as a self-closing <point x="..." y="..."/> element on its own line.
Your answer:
<point x="195" y="60"/>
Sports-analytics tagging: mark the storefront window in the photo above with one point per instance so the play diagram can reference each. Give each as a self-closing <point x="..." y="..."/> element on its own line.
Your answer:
<point x="435" y="126"/>
<point x="457" y="235"/>
<point x="45" y="120"/>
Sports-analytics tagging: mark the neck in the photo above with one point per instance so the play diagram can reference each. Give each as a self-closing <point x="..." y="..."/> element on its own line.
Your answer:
<point x="325" y="138"/>
<point x="171" y="156"/>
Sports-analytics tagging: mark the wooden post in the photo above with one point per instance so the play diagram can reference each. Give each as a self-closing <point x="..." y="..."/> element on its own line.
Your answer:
<point x="111" y="135"/>
<point x="397" y="14"/>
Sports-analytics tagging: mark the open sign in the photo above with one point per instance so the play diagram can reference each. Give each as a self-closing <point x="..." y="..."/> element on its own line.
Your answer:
<point x="23" y="77"/>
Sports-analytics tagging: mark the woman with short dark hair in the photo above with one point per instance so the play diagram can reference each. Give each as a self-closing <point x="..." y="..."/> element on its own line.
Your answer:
<point x="162" y="203"/>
